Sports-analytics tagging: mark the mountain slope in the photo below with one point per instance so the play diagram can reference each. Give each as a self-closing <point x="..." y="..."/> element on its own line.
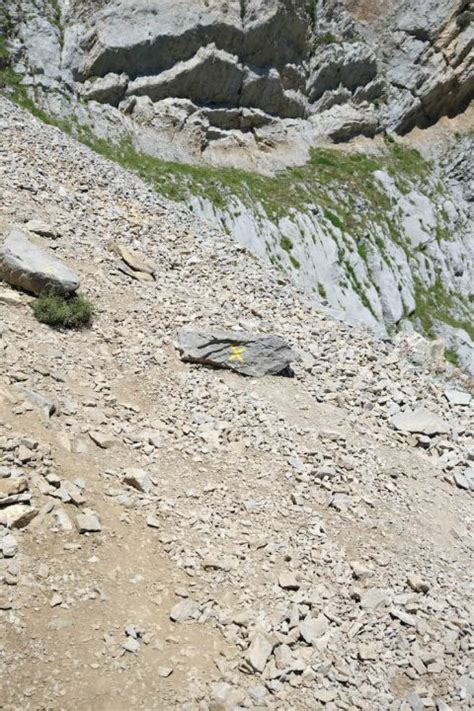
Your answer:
<point x="281" y="510"/>
<point x="232" y="108"/>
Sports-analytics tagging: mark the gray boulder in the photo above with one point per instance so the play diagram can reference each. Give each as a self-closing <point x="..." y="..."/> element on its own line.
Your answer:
<point x="246" y="353"/>
<point x="420" y="421"/>
<point x="27" y="266"/>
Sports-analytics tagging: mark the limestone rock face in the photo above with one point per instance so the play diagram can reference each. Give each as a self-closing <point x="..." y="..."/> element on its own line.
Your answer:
<point x="249" y="354"/>
<point x="412" y="63"/>
<point x="27" y="266"/>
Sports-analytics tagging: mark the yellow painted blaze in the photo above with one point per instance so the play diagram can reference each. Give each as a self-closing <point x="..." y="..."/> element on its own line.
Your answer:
<point x="237" y="353"/>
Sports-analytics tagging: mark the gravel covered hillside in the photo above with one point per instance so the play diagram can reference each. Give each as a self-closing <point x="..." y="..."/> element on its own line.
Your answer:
<point x="173" y="536"/>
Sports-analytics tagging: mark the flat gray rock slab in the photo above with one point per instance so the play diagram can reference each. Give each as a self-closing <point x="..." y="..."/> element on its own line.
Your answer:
<point x="245" y="353"/>
<point x="27" y="266"/>
<point x="420" y="421"/>
<point x="458" y="397"/>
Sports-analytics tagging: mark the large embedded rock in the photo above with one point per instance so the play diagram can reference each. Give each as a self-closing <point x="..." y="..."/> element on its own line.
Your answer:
<point x="27" y="266"/>
<point x="106" y="90"/>
<point x="249" y="354"/>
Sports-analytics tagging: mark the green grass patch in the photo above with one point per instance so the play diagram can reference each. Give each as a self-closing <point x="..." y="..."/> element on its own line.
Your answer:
<point x="333" y="219"/>
<point x="452" y="357"/>
<point x="436" y="303"/>
<point x="59" y="311"/>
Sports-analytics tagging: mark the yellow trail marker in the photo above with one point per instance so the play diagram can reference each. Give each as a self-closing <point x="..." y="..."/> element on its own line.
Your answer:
<point x="237" y="353"/>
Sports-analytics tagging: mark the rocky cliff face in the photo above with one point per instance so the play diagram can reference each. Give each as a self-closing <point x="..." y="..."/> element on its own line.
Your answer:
<point x="260" y="85"/>
<point x="344" y="68"/>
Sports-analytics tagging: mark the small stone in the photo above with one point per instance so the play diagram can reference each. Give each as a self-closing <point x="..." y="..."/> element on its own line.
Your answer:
<point x="404" y="617"/>
<point x="24" y="454"/>
<point x="225" y="696"/>
<point x="55" y="600"/>
<point x="417" y="584"/>
<point x="41" y="228"/>
<point x="131" y="631"/>
<point x="133" y="259"/>
<point x="5" y="603"/>
<point x="153" y="521"/>
<point x="69" y="492"/>
<point x="325" y="696"/>
<point x="43" y="571"/>
<point x="9" y="487"/>
<point x="367" y="652"/>
<point x="88" y="523"/>
<point x="283" y="656"/>
<point x="465" y="480"/>
<point x="8" y="545"/>
<point x="289" y="581"/>
<point x="458" y="397"/>
<point x="360" y="571"/>
<point x="41" y="401"/>
<point x="259" y="652"/>
<point x="165" y="672"/>
<point x="374" y="598"/>
<point x="102" y="440"/>
<point x="184" y="610"/>
<point x="138" y="479"/>
<point x="63" y="519"/>
<point x="131" y="645"/>
<point x="17" y="516"/>
<point x="60" y="623"/>
<point x="258" y="694"/>
<point x="312" y="629"/>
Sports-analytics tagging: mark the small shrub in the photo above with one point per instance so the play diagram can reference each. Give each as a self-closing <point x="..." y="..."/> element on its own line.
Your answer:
<point x="327" y="38"/>
<point x="63" y="311"/>
<point x="286" y="244"/>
